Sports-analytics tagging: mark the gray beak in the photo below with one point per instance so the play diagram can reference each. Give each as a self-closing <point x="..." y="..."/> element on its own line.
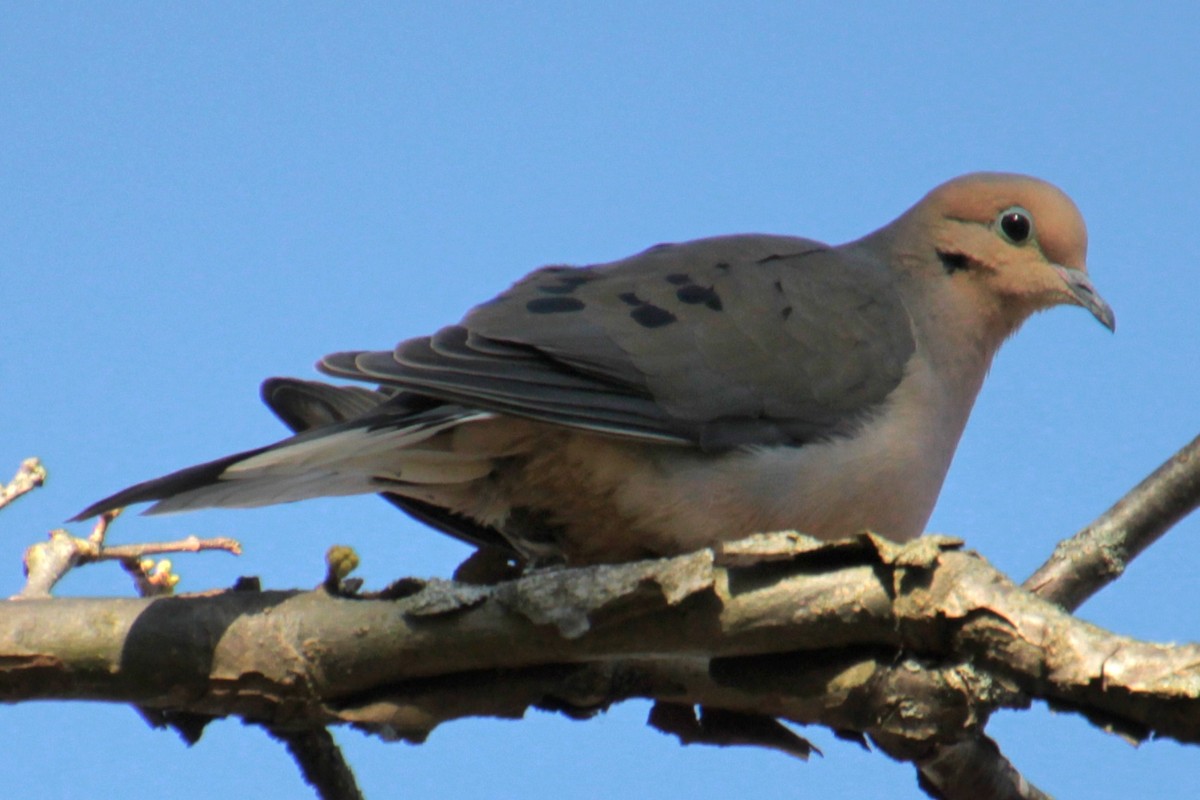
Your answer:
<point x="1085" y="294"/>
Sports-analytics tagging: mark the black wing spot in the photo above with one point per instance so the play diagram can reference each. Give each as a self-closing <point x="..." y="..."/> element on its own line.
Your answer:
<point x="787" y="311"/>
<point x="722" y="265"/>
<point x="651" y="316"/>
<point x="679" y="278"/>
<point x="630" y="299"/>
<point x="779" y="286"/>
<point x="693" y="295"/>
<point x="554" y="305"/>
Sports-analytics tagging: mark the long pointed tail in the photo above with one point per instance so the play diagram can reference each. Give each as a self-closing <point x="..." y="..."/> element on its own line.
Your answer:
<point x="358" y="442"/>
<point x="180" y="482"/>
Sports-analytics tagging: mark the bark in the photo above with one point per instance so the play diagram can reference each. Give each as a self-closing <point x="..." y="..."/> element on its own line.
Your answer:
<point x="914" y="646"/>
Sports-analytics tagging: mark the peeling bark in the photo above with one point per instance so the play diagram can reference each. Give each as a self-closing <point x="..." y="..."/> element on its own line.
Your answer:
<point x="913" y="644"/>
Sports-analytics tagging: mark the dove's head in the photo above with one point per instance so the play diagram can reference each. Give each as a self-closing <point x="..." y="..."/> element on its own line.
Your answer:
<point x="1011" y="243"/>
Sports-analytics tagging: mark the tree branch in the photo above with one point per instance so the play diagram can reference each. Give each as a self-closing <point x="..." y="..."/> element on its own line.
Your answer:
<point x="912" y="645"/>
<point x="1079" y="567"/>
<point x="1098" y="554"/>
<point x="974" y="768"/>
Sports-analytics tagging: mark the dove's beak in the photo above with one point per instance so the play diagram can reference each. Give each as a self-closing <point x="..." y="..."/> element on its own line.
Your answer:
<point x="1083" y="293"/>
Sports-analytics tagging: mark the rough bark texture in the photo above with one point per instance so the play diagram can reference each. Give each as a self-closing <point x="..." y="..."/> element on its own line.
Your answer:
<point x="912" y="645"/>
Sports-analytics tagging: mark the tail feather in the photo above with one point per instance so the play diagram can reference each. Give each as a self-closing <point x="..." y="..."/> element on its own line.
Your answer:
<point x="182" y="481"/>
<point x="349" y="440"/>
<point x="289" y="488"/>
<point x="384" y="444"/>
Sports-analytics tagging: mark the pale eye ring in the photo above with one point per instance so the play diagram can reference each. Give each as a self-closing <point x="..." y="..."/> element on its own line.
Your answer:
<point x="1015" y="224"/>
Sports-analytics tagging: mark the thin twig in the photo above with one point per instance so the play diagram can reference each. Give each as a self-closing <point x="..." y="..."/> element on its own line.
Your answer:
<point x="30" y="475"/>
<point x="321" y="762"/>
<point x="100" y="529"/>
<point x="191" y="544"/>
<point x="1098" y="554"/>
<point x="46" y="563"/>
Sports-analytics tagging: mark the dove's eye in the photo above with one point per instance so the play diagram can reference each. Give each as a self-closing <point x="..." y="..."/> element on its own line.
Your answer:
<point x="1015" y="224"/>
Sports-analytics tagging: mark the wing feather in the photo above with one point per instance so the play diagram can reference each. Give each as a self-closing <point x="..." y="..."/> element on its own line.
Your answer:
<point x="724" y="342"/>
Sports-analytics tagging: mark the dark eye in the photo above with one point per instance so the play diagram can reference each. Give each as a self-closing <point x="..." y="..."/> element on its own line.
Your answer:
<point x="1015" y="224"/>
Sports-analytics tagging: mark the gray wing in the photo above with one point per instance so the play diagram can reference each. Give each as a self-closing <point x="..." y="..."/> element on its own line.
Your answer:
<point x="722" y="342"/>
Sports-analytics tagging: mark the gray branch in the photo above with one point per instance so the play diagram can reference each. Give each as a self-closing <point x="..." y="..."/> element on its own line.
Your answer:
<point x="913" y="646"/>
<point x="1098" y="554"/>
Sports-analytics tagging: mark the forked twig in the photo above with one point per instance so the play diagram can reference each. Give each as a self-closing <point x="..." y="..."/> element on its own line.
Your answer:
<point x="46" y="563"/>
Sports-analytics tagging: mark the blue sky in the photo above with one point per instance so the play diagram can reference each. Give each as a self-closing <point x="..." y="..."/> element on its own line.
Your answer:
<point x="193" y="198"/>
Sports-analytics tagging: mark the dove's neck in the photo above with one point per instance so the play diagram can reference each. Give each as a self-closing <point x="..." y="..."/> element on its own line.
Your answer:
<point x="957" y="329"/>
<point x="957" y="341"/>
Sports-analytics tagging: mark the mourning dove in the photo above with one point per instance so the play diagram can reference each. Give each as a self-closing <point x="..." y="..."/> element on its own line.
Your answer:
<point x="690" y="394"/>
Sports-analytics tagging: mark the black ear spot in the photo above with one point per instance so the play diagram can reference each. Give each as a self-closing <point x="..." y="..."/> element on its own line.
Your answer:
<point x="953" y="262"/>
